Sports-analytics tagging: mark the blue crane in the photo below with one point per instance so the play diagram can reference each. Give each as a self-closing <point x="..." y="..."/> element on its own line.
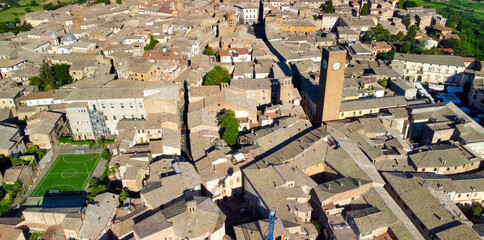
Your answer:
<point x="272" y="220"/>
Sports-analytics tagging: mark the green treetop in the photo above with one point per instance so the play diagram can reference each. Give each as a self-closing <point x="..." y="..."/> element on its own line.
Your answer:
<point x="230" y="127"/>
<point x="216" y="76"/>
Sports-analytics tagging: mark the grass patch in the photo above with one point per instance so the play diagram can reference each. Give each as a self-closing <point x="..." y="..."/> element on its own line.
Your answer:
<point x="16" y="12"/>
<point x="69" y="173"/>
<point x="68" y="140"/>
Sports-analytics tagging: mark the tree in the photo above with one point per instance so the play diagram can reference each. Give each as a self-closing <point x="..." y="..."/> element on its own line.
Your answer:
<point x="407" y="21"/>
<point x="52" y="77"/>
<point x="410" y="4"/>
<point x="40" y="154"/>
<point x="105" y="155"/>
<point x="412" y="33"/>
<point x="33" y="149"/>
<point x="315" y="17"/>
<point x="230" y="127"/>
<point x="329" y="7"/>
<point x="383" y="82"/>
<point x="364" y="10"/>
<point x="386" y="55"/>
<point x="451" y="43"/>
<point x="35" y="236"/>
<point x="119" y="2"/>
<point x="27" y="10"/>
<point x="208" y="51"/>
<point x="405" y="48"/>
<point x="400" y="4"/>
<point x="152" y="43"/>
<point x="17" y="161"/>
<point x="216" y="76"/>
<point x="34" y="3"/>
<point x="123" y="195"/>
<point x="400" y="36"/>
<point x="46" y="76"/>
<point x="94" y="191"/>
<point x="476" y="211"/>
<point x="435" y="35"/>
<point x="377" y="33"/>
<point x="61" y="75"/>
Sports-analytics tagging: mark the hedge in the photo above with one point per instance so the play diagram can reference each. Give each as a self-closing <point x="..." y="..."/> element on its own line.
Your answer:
<point x="68" y="140"/>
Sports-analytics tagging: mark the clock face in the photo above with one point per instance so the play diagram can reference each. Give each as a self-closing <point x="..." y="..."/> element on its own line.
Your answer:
<point x="325" y="64"/>
<point x="336" y="66"/>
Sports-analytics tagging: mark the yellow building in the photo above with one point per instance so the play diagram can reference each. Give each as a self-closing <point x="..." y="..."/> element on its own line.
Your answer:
<point x="272" y="17"/>
<point x="298" y="26"/>
<point x="9" y="96"/>
<point x="357" y="108"/>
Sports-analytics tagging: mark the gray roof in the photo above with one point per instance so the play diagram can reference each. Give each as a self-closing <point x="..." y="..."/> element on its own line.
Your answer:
<point x="370" y="103"/>
<point x="287" y="152"/>
<point x="83" y="94"/>
<point x="271" y="185"/>
<point x="427" y="208"/>
<point x="251" y="84"/>
<point x="449" y="60"/>
<point x="10" y="92"/>
<point x="43" y="123"/>
<point x="202" y="117"/>
<point x="162" y="187"/>
<point x="444" y="156"/>
<point x="206" y="217"/>
<point x="151" y="225"/>
<point x="5" y="113"/>
<point x="98" y="215"/>
<point x="7" y="132"/>
<point x="341" y="185"/>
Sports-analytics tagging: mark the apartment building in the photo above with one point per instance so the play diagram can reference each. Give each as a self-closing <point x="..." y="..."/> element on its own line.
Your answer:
<point x="429" y="68"/>
<point x="11" y="143"/>
<point x="247" y="13"/>
<point x="44" y="129"/>
<point x="84" y="122"/>
<point x="476" y="94"/>
<point x="444" y="159"/>
<point x="106" y="106"/>
<point x="9" y="96"/>
<point x="298" y="26"/>
<point x="329" y="20"/>
<point x="282" y="188"/>
<point x="259" y="90"/>
<point x="204" y="218"/>
<point x="433" y="218"/>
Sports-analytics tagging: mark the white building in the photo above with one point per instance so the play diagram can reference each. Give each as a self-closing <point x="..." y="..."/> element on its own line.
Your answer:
<point x="106" y="106"/>
<point x="134" y="39"/>
<point x="235" y="55"/>
<point x="328" y="20"/>
<point x="247" y="13"/>
<point x="429" y="68"/>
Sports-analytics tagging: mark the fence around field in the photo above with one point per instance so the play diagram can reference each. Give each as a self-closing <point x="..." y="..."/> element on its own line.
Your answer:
<point x="43" y="165"/>
<point x="78" y="149"/>
<point x="46" y="162"/>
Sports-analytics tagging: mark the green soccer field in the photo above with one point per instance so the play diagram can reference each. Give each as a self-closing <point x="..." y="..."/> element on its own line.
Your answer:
<point x="69" y="173"/>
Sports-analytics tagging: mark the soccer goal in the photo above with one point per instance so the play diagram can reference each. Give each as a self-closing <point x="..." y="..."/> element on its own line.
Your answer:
<point x="79" y="151"/>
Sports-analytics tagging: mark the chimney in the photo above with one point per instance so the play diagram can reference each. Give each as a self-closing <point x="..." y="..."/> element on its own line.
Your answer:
<point x="191" y="206"/>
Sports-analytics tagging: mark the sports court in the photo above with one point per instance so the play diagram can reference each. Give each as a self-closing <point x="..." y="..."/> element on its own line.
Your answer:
<point x="69" y="173"/>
